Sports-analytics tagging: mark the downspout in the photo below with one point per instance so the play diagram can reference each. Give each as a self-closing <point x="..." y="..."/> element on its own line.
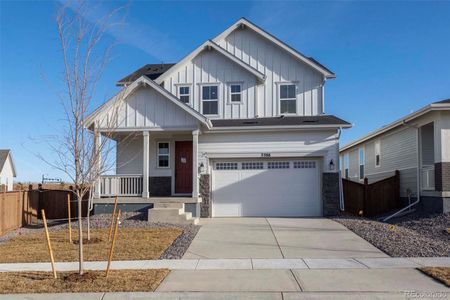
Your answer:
<point x="341" y="191"/>
<point x="323" y="95"/>
<point x="418" y="176"/>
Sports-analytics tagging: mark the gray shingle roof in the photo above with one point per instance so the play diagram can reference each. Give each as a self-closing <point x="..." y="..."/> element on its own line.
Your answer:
<point x="281" y="121"/>
<point x="442" y="101"/>
<point x="3" y="156"/>
<point x="152" y="71"/>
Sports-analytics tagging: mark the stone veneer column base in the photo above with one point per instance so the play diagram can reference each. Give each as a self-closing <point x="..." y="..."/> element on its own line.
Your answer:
<point x="205" y="193"/>
<point x="442" y="176"/>
<point x="330" y="193"/>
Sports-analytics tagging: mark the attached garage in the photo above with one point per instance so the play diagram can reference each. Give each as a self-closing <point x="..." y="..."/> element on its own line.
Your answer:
<point x="266" y="188"/>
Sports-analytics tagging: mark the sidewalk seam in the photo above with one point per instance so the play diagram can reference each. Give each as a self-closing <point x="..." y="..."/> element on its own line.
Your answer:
<point x="296" y="280"/>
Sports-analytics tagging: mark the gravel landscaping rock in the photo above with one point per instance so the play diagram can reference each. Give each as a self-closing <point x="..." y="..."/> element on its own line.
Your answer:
<point x="128" y="220"/>
<point x="409" y="236"/>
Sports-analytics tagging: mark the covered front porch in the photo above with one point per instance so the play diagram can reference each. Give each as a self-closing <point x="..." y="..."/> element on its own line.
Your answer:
<point x="152" y="164"/>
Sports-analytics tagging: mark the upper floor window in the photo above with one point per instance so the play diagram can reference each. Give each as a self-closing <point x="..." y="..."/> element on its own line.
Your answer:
<point x="361" y="163"/>
<point x="235" y="93"/>
<point x="184" y="93"/>
<point x="210" y="100"/>
<point x="163" y="155"/>
<point x="288" y="99"/>
<point x="377" y="153"/>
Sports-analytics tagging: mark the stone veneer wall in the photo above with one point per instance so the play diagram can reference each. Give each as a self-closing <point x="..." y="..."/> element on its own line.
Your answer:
<point x="442" y="176"/>
<point x="160" y="186"/>
<point x="205" y="192"/>
<point x="330" y="193"/>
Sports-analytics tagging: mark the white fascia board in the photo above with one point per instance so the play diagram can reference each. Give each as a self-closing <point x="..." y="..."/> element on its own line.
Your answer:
<point x="306" y="153"/>
<point x="12" y="163"/>
<point x="397" y="123"/>
<point x="277" y="42"/>
<point x="144" y="80"/>
<point x="275" y="128"/>
<point x="261" y="77"/>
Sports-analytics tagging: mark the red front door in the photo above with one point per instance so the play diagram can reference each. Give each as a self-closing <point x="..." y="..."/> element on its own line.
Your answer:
<point x="183" y="167"/>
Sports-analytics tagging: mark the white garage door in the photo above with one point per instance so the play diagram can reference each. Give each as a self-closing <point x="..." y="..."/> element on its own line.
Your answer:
<point x="285" y="188"/>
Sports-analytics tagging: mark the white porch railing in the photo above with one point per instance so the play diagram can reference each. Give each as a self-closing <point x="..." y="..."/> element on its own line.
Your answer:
<point x="427" y="177"/>
<point x="120" y="185"/>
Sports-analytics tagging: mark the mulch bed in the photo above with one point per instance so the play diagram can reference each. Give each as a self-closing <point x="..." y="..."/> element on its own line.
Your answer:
<point x="91" y="281"/>
<point x="440" y="274"/>
<point x="129" y="221"/>
<point x="410" y="236"/>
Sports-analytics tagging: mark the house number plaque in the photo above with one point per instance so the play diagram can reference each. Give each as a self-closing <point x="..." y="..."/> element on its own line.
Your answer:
<point x="265" y="154"/>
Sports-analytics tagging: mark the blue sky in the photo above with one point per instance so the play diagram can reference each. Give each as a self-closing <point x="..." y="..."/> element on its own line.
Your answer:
<point x="390" y="58"/>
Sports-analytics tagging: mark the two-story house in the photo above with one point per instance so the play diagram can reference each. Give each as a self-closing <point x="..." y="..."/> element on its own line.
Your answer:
<point x="236" y="128"/>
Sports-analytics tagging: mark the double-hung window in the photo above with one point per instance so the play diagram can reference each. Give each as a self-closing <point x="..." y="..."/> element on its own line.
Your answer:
<point x="361" y="163"/>
<point x="163" y="154"/>
<point x="235" y="93"/>
<point x="184" y="93"/>
<point x="377" y="153"/>
<point x="288" y="99"/>
<point x="210" y="100"/>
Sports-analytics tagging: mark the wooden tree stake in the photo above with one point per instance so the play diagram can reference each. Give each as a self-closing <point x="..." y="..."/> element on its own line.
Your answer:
<point x="112" y="219"/>
<point x="113" y="243"/>
<point x="48" y="243"/>
<point x="69" y="217"/>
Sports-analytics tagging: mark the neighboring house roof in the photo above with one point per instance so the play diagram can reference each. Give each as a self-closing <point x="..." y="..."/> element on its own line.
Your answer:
<point x="212" y="45"/>
<point x="438" y="105"/>
<point x="136" y="84"/>
<point x="307" y="60"/>
<point x="4" y="154"/>
<point x="291" y="121"/>
<point x="152" y="71"/>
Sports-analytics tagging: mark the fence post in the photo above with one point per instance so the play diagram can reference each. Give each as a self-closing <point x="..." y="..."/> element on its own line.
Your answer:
<point x="366" y="195"/>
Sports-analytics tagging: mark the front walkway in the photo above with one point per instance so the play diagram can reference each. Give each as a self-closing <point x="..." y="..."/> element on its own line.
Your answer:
<point x="278" y="238"/>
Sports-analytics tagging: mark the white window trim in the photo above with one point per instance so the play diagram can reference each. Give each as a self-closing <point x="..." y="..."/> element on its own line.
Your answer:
<point x="363" y="163"/>
<point x="377" y="142"/>
<point x="180" y="85"/>
<point x="201" y="85"/>
<point x="229" y="84"/>
<point x="279" y="84"/>
<point x="158" y="155"/>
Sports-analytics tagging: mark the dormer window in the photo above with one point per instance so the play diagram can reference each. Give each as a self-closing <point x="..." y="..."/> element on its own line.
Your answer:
<point x="184" y="94"/>
<point x="288" y="99"/>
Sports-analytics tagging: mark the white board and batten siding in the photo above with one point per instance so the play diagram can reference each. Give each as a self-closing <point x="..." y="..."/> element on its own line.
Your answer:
<point x="147" y="108"/>
<point x="278" y="66"/>
<point x="398" y="152"/>
<point x="210" y="67"/>
<point x="275" y="63"/>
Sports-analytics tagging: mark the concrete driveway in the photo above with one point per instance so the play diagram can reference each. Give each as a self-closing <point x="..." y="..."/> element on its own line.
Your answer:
<point x="278" y="238"/>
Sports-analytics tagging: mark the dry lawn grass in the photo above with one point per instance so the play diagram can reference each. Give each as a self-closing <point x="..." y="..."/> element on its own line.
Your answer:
<point x="440" y="274"/>
<point x="131" y="244"/>
<point x="92" y="281"/>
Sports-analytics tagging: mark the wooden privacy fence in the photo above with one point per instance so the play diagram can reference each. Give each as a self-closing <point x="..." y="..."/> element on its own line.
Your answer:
<point x="17" y="208"/>
<point x="20" y="208"/>
<point x="372" y="199"/>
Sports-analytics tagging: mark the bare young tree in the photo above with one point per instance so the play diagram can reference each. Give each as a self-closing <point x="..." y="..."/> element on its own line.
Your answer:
<point x="86" y="50"/>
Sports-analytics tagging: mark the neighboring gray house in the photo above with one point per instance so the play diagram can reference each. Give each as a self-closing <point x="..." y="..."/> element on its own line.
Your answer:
<point x="7" y="169"/>
<point x="238" y="125"/>
<point x="418" y="145"/>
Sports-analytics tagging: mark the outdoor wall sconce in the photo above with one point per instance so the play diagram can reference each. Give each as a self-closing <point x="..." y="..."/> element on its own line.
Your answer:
<point x="331" y="165"/>
<point x="201" y="168"/>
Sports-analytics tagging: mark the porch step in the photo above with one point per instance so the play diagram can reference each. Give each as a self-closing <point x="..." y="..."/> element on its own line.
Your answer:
<point x="172" y="215"/>
<point x="169" y="205"/>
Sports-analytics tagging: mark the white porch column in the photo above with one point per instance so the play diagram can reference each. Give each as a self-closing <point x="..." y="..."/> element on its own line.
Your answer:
<point x="98" y="162"/>
<point x="145" y="164"/>
<point x="195" y="163"/>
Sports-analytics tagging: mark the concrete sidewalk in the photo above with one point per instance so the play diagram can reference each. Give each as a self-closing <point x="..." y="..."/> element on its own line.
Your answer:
<point x="243" y="264"/>
<point x="228" y="295"/>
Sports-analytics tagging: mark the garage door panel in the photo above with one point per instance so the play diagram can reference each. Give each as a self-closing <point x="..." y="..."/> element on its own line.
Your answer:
<point x="267" y="192"/>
